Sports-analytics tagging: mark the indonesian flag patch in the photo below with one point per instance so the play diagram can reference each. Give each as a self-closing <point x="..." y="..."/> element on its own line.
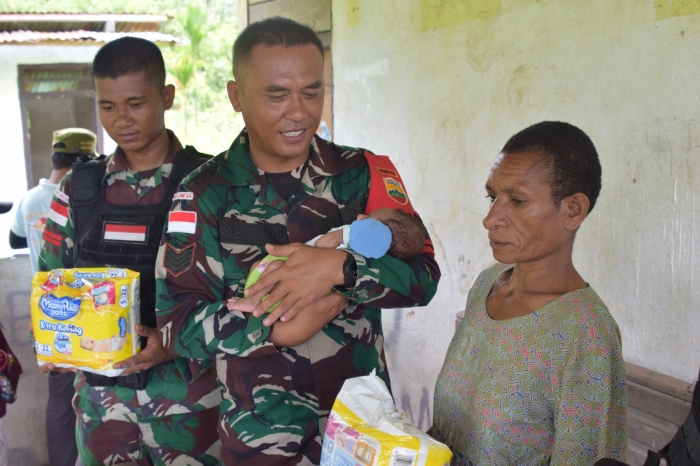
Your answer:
<point x="125" y="232"/>
<point x="182" y="222"/>
<point x="58" y="213"/>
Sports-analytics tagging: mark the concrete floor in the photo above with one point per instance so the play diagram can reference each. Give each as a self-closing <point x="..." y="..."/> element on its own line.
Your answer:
<point x="25" y="419"/>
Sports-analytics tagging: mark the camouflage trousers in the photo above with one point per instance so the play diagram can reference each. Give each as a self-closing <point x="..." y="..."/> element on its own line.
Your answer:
<point x="118" y="425"/>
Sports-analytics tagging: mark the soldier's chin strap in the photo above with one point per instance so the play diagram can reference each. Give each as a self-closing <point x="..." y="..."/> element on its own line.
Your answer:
<point x="386" y="190"/>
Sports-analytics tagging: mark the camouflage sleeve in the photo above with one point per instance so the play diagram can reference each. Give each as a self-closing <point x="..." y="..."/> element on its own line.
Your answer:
<point x="194" y="279"/>
<point x="388" y="282"/>
<point x="57" y="239"/>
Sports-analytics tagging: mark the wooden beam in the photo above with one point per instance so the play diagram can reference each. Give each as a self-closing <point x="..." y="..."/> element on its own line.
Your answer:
<point x="80" y="17"/>
<point x="647" y="430"/>
<point x="313" y="13"/>
<point x="658" y="404"/>
<point x="662" y="383"/>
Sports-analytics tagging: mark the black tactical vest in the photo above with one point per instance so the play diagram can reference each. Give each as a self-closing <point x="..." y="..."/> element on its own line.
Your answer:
<point x="99" y="231"/>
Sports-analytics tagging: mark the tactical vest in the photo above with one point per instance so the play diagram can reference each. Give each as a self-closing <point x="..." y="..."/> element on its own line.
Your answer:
<point x="125" y="236"/>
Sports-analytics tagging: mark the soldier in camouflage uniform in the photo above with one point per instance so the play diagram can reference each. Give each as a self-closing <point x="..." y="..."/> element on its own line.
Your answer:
<point x="164" y="420"/>
<point x="278" y="184"/>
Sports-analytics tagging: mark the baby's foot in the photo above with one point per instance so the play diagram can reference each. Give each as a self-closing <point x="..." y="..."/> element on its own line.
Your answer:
<point x="242" y="304"/>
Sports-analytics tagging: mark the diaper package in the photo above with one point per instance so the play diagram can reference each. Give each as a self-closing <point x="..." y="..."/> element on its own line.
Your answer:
<point x="84" y="318"/>
<point x="366" y="429"/>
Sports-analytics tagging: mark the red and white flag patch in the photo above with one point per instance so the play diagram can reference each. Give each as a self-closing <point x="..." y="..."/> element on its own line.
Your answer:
<point x="124" y="232"/>
<point x="182" y="222"/>
<point x="58" y="213"/>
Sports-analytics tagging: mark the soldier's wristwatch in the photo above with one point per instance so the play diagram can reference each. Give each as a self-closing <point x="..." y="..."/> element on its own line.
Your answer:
<point x="349" y="274"/>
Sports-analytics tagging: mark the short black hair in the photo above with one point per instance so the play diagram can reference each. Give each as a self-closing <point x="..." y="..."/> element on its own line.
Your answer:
<point x="63" y="160"/>
<point x="407" y="235"/>
<point x="574" y="166"/>
<point x="130" y="55"/>
<point x="271" y="32"/>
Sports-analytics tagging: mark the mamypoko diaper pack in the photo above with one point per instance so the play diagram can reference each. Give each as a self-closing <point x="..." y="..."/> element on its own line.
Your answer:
<point x="84" y="318"/>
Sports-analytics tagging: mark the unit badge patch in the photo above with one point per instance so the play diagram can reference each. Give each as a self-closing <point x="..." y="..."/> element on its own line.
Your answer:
<point x="395" y="190"/>
<point x="178" y="261"/>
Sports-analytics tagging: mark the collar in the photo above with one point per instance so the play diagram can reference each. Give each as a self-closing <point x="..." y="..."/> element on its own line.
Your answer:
<point x="116" y="162"/>
<point x="325" y="159"/>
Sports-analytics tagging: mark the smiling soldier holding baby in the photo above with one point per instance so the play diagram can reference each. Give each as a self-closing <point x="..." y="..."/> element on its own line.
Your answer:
<point x="278" y="183"/>
<point x="162" y="409"/>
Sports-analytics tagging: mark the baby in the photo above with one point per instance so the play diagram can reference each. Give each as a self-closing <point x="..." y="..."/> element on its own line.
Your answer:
<point x="384" y="231"/>
<point x="103" y="346"/>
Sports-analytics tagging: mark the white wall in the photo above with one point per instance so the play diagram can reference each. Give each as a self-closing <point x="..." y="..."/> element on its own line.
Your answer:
<point x="13" y="177"/>
<point x="440" y="85"/>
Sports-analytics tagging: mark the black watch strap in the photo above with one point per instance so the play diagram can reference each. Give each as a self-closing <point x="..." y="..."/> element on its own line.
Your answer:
<point x="349" y="273"/>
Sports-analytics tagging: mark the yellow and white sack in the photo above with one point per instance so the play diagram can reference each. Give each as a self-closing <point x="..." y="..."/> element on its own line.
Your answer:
<point x="365" y="428"/>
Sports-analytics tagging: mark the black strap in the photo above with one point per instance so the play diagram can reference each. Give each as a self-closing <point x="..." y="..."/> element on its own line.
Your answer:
<point x="86" y="193"/>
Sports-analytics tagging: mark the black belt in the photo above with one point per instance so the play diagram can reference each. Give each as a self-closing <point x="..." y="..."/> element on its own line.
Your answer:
<point x="135" y="381"/>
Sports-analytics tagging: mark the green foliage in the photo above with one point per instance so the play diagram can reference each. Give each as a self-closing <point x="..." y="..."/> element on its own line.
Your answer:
<point x="200" y="67"/>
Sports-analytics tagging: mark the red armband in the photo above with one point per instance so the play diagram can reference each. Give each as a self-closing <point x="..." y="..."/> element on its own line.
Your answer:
<point x="386" y="186"/>
<point x="386" y="190"/>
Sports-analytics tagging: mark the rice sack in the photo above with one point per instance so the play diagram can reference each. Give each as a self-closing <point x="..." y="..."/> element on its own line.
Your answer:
<point x="365" y="429"/>
<point x="84" y="318"/>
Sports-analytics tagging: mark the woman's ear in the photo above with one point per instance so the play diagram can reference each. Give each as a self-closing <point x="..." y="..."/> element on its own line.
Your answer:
<point x="574" y="208"/>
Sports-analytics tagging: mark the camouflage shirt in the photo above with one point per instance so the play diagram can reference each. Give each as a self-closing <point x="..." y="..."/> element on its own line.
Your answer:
<point x="127" y="187"/>
<point x="276" y="400"/>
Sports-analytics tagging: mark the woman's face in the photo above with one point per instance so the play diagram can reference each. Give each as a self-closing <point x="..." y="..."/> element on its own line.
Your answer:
<point x="523" y="222"/>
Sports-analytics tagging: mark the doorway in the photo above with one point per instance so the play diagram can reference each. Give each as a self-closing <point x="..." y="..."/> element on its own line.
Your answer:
<point x="53" y="97"/>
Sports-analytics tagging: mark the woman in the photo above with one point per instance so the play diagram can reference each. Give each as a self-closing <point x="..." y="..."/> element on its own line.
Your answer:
<point x="534" y="374"/>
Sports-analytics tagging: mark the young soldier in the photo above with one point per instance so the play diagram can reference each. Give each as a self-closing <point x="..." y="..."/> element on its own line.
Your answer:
<point x="150" y="414"/>
<point x="69" y="145"/>
<point x="277" y="184"/>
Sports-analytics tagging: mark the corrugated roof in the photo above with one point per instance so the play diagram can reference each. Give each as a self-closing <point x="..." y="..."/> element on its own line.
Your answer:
<point x="30" y="28"/>
<point x="35" y="37"/>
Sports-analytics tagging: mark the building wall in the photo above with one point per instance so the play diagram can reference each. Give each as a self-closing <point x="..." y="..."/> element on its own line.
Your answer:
<point x="13" y="178"/>
<point x="440" y="85"/>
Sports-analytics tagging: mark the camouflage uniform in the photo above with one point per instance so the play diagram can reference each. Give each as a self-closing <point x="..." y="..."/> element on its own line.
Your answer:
<point x="276" y="401"/>
<point x="171" y="421"/>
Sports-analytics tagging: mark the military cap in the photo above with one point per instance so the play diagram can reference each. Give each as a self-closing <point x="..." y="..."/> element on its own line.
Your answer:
<point x="74" y="141"/>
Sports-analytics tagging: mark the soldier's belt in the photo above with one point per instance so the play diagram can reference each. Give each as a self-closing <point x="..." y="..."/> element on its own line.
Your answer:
<point x="136" y="381"/>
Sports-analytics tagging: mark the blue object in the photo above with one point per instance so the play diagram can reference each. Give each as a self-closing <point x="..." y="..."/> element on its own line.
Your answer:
<point x="370" y="238"/>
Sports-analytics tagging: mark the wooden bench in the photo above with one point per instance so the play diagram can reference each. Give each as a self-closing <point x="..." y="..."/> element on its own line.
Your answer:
<point x="657" y="406"/>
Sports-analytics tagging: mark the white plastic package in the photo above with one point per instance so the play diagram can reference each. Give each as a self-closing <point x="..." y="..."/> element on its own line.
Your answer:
<point x="365" y="429"/>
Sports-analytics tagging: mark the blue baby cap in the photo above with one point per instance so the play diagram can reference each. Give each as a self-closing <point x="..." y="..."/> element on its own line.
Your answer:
<point x="370" y="238"/>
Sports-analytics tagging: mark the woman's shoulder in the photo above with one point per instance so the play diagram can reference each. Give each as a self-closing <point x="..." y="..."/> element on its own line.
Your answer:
<point x="588" y="316"/>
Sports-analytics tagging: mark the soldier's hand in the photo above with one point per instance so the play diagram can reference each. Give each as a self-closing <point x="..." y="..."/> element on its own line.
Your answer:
<point x="46" y="368"/>
<point x="307" y="276"/>
<point x="153" y="354"/>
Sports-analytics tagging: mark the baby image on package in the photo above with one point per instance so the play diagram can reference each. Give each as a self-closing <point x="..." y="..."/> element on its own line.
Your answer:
<point x="84" y="318"/>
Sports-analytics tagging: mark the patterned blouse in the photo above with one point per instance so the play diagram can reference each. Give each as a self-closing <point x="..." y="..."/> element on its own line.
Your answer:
<point x="547" y="387"/>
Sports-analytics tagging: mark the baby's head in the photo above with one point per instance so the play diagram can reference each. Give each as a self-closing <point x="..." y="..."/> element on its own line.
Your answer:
<point x="407" y="232"/>
<point x="87" y="343"/>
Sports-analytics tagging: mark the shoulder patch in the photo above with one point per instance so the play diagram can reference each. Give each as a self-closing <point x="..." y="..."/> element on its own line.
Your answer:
<point x="62" y="196"/>
<point x="178" y="261"/>
<point x="58" y="213"/>
<point x="182" y="222"/>
<point x="395" y="190"/>
<point x="183" y="196"/>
